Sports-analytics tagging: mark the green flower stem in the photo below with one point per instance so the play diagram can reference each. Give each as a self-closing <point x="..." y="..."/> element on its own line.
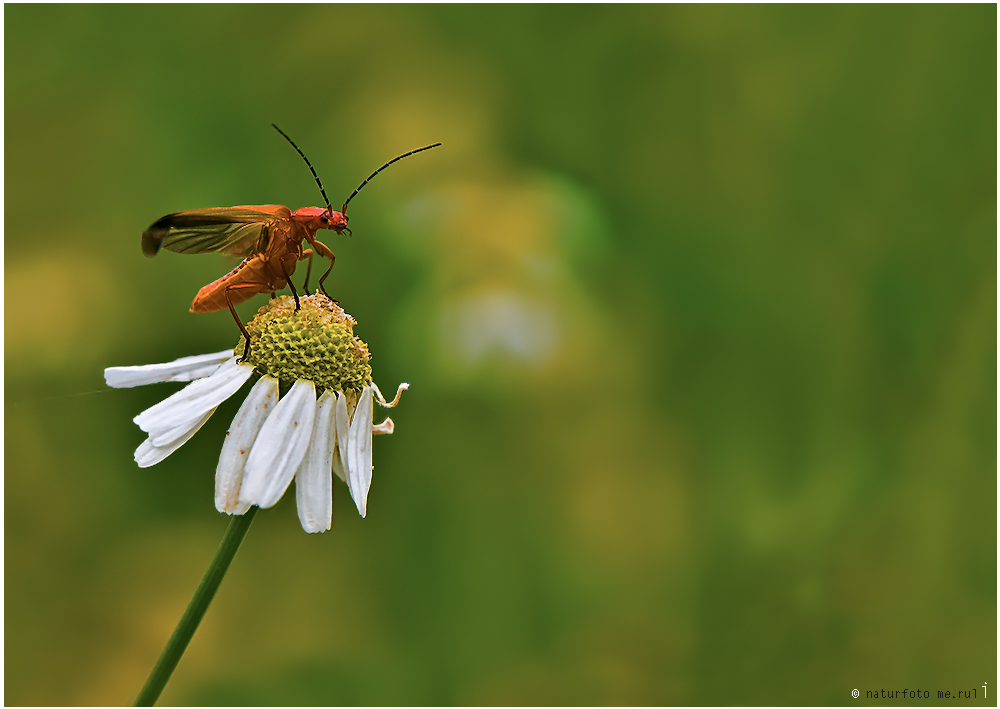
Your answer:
<point x="178" y="642"/>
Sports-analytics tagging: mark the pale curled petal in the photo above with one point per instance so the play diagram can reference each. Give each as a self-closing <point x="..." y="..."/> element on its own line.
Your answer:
<point x="185" y="369"/>
<point x="260" y="402"/>
<point x="313" y="481"/>
<point x="381" y="399"/>
<point x="148" y="454"/>
<point x="195" y="399"/>
<point x="385" y="427"/>
<point x="359" y="452"/>
<point x="343" y="427"/>
<point x="280" y="446"/>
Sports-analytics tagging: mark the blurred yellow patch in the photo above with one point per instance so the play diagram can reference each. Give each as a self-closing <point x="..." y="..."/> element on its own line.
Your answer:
<point x="59" y="309"/>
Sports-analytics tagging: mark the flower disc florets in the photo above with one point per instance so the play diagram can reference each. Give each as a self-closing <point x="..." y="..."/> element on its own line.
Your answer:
<point x="316" y="342"/>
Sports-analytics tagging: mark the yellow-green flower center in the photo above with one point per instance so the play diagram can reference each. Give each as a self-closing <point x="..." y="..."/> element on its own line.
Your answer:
<point x="317" y="343"/>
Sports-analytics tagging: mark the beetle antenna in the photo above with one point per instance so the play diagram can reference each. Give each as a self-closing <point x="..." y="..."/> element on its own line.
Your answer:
<point x="311" y="168"/>
<point x="398" y="157"/>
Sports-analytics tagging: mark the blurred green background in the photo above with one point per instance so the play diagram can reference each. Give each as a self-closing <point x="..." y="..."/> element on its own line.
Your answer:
<point x="698" y="305"/>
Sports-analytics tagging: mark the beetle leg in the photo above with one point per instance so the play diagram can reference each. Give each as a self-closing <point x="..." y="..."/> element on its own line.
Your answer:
<point x="308" y="253"/>
<point x="288" y="280"/>
<point x="323" y="278"/>
<point x="239" y="323"/>
<point x="324" y="251"/>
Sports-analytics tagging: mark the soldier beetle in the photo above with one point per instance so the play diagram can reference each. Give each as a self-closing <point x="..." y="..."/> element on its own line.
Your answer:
<point x="267" y="237"/>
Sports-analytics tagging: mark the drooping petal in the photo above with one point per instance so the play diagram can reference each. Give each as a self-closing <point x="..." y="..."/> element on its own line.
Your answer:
<point x="185" y="369"/>
<point x="148" y="454"/>
<point x="280" y="446"/>
<point x="343" y="426"/>
<point x="359" y="451"/>
<point x="313" y="481"/>
<point x="385" y="427"/>
<point x="195" y="399"/>
<point x="239" y="440"/>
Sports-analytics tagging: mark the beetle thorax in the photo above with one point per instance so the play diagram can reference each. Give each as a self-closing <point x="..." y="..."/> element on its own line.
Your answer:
<point x="315" y="218"/>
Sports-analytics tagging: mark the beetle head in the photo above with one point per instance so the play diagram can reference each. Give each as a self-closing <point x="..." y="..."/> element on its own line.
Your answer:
<point x="316" y="218"/>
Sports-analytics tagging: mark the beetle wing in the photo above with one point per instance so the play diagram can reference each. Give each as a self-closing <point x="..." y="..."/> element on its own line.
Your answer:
<point x="235" y="231"/>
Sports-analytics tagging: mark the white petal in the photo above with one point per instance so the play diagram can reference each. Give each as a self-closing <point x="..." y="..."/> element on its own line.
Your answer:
<point x="195" y="399"/>
<point x="239" y="440"/>
<point x="280" y="446"/>
<point x="359" y="451"/>
<point x="185" y="369"/>
<point x="148" y="454"/>
<point x="343" y="428"/>
<point x="240" y="508"/>
<point x="338" y="466"/>
<point x="313" y="481"/>
<point x="167" y="437"/>
<point x="381" y="399"/>
<point x="386" y="426"/>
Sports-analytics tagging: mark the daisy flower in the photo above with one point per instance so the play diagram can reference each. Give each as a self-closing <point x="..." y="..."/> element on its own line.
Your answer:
<point x="308" y="416"/>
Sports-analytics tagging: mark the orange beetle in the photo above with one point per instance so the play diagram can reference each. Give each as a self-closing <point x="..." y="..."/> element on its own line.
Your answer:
<point x="268" y="238"/>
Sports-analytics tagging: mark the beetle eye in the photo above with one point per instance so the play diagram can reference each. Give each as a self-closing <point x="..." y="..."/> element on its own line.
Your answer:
<point x="324" y="219"/>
